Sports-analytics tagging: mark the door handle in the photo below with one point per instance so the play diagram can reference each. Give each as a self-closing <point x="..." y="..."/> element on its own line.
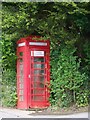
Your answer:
<point x="29" y="76"/>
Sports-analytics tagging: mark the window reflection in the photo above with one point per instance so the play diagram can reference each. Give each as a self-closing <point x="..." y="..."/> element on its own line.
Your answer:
<point x="39" y="72"/>
<point x="39" y="59"/>
<point x="41" y="66"/>
<point x="38" y="78"/>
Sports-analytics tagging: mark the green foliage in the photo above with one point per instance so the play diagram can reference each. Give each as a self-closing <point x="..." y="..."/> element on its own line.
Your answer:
<point x="67" y="26"/>
<point x="86" y="47"/>
<point x="67" y="81"/>
<point x="82" y="98"/>
<point x="9" y="97"/>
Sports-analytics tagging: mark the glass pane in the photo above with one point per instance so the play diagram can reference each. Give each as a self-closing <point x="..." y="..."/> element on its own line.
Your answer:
<point x="21" y="79"/>
<point x="38" y="98"/>
<point x="21" y="92"/>
<point x="41" y="85"/>
<point x="36" y="71"/>
<point x="38" y="85"/>
<point x="41" y="66"/>
<point x="41" y="78"/>
<point x="38" y="78"/>
<point x="21" y="98"/>
<point x="21" y="86"/>
<point x="42" y="71"/>
<point x="38" y="91"/>
<point x="39" y="72"/>
<point x="39" y="59"/>
<point x="21" y="70"/>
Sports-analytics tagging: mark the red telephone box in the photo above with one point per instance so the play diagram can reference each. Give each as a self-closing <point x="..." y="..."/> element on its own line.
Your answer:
<point x="33" y="73"/>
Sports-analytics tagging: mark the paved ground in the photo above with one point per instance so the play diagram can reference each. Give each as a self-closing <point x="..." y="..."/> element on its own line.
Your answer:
<point x="14" y="113"/>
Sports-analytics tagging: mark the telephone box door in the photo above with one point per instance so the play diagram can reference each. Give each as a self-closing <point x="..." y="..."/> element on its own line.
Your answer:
<point x="39" y="78"/>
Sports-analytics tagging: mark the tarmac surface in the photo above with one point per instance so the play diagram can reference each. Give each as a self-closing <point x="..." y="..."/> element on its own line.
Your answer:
<point x="15" y="113"/>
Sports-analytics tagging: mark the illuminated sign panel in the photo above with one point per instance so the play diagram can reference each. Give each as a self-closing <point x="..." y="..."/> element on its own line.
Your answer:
<point x="21" y="44"/>
<point x="38" y="43"/>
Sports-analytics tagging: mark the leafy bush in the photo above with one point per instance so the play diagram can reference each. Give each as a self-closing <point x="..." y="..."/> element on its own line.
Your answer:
<point x="9" y="97"/>
<point x="66" y="81"/>
<point x="82" y="98"/>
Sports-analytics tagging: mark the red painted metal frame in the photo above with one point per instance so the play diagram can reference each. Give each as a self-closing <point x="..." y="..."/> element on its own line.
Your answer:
<point x="28" y="60"/>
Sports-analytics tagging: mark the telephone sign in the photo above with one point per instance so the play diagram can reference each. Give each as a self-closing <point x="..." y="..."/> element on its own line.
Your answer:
<point x="37" y="53"/>
<point x="33" y="73"/>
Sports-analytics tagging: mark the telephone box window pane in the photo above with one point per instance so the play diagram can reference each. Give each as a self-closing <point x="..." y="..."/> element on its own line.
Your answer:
<point x="42" y="71"/>
<point x="21" y="53"/>
<point x="21" y="86"/>
<point x="38" y="98"/>
<point x="41" y="85"/>
<point x="35" y="91"/>
<point x="21" y="92"/>
<point x="36" y="71"/>
<point x="21" y="79"/>
<point x="39" y="72"/>
<point x="21" y="70"/>
<point x="41" y="66"/>
<point x="21" y="98"/>
<point x="36" y="85"/>
<point x="39" y="78"/>
<point x="36" y="79"/>
<point x="39" y="59"/>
